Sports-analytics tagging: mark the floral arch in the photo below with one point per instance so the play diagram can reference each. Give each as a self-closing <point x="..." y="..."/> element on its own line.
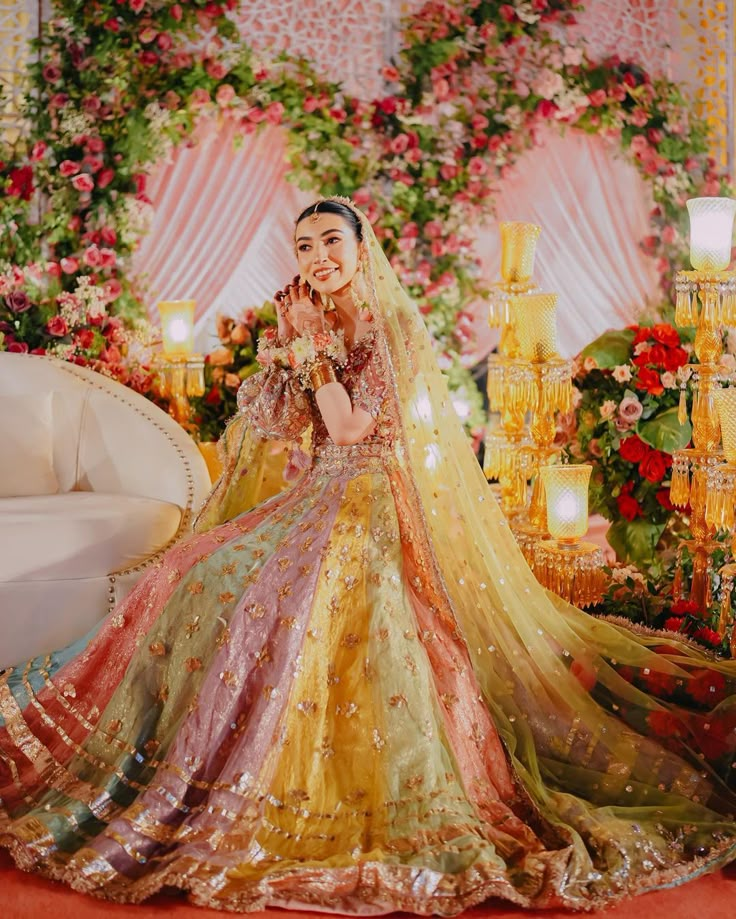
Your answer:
<point x="474" y="84"/>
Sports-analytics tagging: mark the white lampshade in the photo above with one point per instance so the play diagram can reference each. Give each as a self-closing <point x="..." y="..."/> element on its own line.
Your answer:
<point x="711" y="232"/>
<point x="177" y="327"/>
<point x="566" y="491"/>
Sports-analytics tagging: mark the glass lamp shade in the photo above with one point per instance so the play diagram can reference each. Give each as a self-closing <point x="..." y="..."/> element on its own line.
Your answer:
<point x="711" y="232"/>
<point x="535" y="320"/>
<point x="566" y="491"/>
<point x="177" y="327"/>
<point x="726" y="408"/>
<point x="518" y="245"/>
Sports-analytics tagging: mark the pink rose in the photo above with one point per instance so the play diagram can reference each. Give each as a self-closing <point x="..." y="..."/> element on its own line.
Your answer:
<point x="91" y="256"/>
<point x="57" y="326"/>
<point x="93" y="162"/>
<point x="216" y="69"/>
<point x="39" y="148"/>
<point x="83" y="182"/>
<point x="199" y="97"/>
<point x="147" y="34"/>
<point x="91" y="104"/>
<point x="107" y="258"/>
<point x="311" y="104"/>
<point x="69" y="168"/>
<point x="95" y="144"/>
<point x="108" y="236"/>
<point x="17" y="347"/>
<point x="400" y="144"/>
<point x="69" y="265"/>
<point x="274" y="113"/>
<point x="112" y="289"/>
<point x="176" y="12"/>
<point x="164" y="41"/>
<point x="630" y="409"/>
<point x="224" y="95"/>
<point x="105" y="177"/>
<point x="441" y="90"/>
<point x="51" y="73"/>
<point x="449" y="171"/>
<point x="477" y="166"/>
<point x="433" y="229"/>
<point x="137" y="5"/>
<point x="597" y="97"/>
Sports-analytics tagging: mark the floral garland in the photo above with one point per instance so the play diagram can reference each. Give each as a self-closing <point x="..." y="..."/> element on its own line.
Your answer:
<point x="120" y="81"/>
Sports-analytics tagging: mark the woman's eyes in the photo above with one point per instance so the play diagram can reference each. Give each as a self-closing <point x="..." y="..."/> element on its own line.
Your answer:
<point x="305" y="247"/>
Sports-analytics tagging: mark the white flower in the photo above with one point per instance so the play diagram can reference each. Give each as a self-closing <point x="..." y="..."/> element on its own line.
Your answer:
<point x="608" y="408"/>
<point x="621" y="373"/>
<point x="669" y="380"/>
<point x="572" y="57"/>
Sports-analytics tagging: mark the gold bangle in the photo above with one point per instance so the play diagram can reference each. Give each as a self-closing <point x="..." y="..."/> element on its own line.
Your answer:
<point x="322" y="373"/>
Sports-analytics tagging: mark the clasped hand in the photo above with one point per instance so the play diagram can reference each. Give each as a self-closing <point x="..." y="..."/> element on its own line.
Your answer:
<point x="298" y="310"/>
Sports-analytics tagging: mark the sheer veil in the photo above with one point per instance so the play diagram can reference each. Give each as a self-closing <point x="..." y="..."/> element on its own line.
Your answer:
<point x="553" y="677"/>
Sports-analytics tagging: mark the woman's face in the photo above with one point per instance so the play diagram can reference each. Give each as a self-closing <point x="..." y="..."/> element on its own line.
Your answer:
<point x="328" y="252"/>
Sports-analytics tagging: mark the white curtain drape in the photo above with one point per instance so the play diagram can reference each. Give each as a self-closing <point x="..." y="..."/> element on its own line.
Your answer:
<point x="223" y="232"/>
<point x="593" y="208"/>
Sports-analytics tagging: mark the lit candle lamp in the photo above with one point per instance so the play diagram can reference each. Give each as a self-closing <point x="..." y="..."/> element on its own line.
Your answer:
<point x="566" y="488"/>
<point x="177" y="327"/>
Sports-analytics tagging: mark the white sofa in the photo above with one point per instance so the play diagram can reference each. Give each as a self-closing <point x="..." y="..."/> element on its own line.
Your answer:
<point x="95" y="483"/>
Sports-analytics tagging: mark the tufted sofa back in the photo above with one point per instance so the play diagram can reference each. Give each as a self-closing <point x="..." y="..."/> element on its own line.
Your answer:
<point x="108" y="438"/>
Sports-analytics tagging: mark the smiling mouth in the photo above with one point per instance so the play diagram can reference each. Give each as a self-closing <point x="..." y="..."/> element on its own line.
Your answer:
<point x="324" y="273"/>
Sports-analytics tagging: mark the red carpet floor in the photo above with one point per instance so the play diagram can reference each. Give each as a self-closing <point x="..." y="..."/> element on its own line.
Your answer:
<point x="24" y="896"/>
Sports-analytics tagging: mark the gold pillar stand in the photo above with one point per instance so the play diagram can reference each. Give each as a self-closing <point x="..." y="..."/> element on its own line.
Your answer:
<point x="182" y="379"/>
<point x="705" y="300"/>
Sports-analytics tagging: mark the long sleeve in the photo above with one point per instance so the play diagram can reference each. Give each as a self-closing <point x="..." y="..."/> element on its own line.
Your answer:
<point x="275" y="404"/>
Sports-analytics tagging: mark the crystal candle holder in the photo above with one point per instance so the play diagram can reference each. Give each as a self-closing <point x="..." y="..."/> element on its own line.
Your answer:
<point x="566" y="490"/>
<point x="518" y="245"/>
<point x="711" y="232"/>
<point x="726" y="408"/>
<point x="535" y="321"/>
<point x="177" y="328"/>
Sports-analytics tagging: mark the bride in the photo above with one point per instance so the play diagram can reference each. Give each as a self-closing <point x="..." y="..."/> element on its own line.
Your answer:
<point x="355" y="696"/>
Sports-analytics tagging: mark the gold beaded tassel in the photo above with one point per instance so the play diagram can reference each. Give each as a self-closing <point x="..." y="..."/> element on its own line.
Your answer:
<point x="494" y="385"/>
<point x="724" y="620"/>
<point x="680" y="484"/>
<point x="682" y="406"/>
<point x="711" y="315"/>
<point x="683" y="311"/>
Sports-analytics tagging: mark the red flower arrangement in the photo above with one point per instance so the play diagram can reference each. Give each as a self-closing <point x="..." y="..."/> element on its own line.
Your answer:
<point x="626" y="425"/>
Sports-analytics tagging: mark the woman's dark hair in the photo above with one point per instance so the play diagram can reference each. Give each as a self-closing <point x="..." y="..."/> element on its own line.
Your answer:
<point x="335" y="207"/>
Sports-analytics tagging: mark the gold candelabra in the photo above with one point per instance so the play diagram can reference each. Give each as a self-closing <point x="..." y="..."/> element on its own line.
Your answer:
<point x="182" y="371"/>
<point x="504" y="459"/>
<point x="706" y="301"/>
<point x="526" y="376"/>
<point x="565" y="565"/>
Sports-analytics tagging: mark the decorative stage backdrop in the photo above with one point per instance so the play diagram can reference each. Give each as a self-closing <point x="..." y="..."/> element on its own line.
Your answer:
<point x="221" y="219"/>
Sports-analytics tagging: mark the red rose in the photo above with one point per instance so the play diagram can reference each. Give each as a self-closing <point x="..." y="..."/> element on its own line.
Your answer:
<point x="628" y="507"/>
<point x="653" y="466"/>
<point x="675" y="358"/>
<point x="57" y="326"/>
<point x="649" y="380"/>
<point x="633" y="449"/>
<point x="666" y="335"/>
<point x="597" y="97"/>
<point x="83" y="182"/>
<point x="21" y="183"/>
<point x="663" y="497"/>
<point x="84" y="339"/>
<point x="641" y="333"/>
